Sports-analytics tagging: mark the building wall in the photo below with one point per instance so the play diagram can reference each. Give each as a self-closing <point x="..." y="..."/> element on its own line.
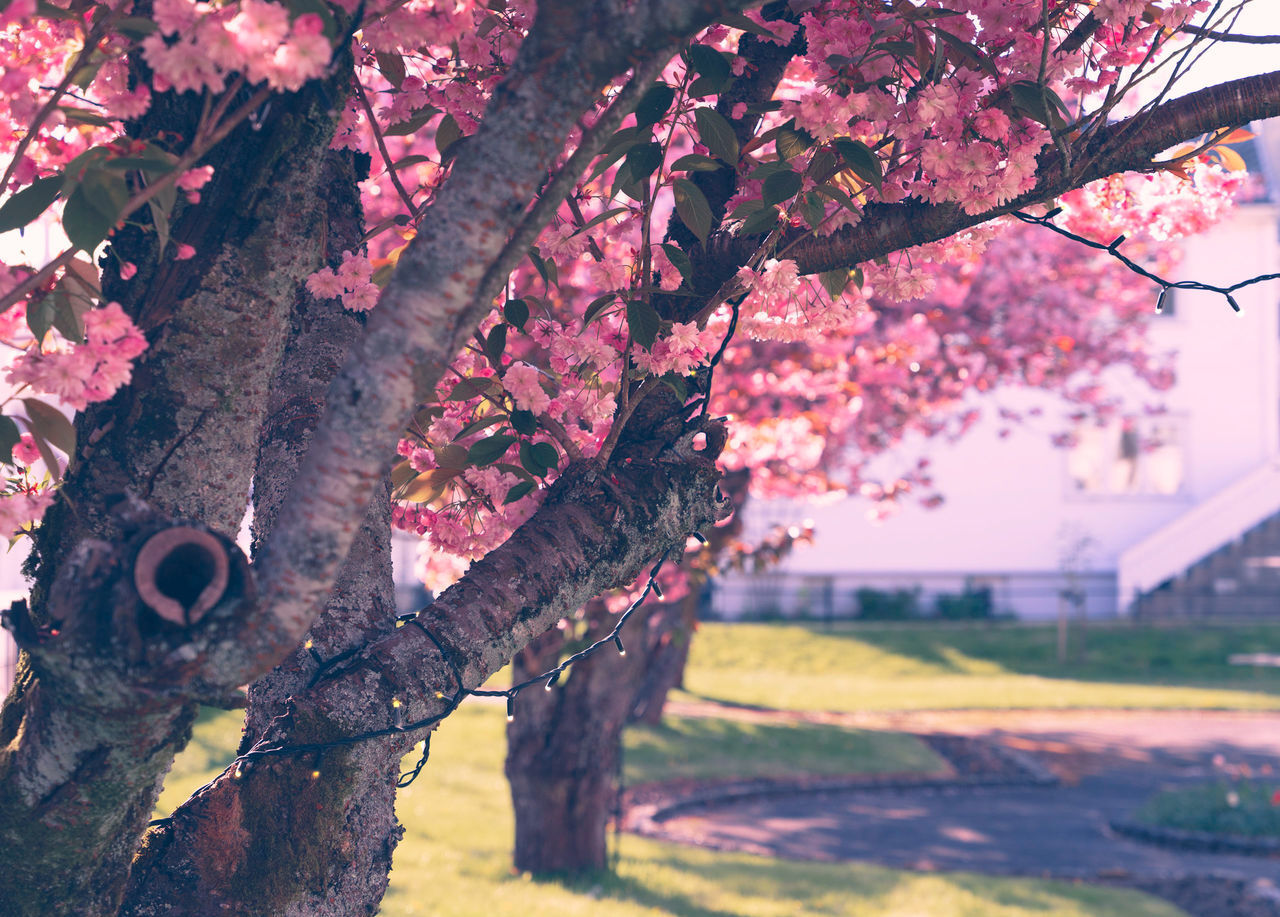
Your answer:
<point x="1012" y="509"/>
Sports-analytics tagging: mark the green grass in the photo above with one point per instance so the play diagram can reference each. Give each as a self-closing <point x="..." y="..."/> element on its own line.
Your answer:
<point x="1242" y="808"/>
<point x="454" y="860"/>
<point x="708" y="748"/>
<point x="925" y="666"/>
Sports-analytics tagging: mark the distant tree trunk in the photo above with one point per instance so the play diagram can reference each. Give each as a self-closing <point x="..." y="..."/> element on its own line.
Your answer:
<point x="564" y="747"/>
<point x="670" y="635"/>
<point x="670" y="632"/>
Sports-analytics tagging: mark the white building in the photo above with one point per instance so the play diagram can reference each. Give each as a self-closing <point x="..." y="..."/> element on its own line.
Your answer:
<point x="1117" y="516"/>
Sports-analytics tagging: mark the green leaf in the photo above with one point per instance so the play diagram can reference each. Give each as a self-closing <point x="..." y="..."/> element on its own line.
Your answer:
<point x="46" y="452"/>
<point x="52" y="424"/>
<point x="392" y="66"/>
<point x="469" y="388"/>
<point x="495" y="344"/>
<point x="834" y="282"/>
<point x="714" y="72"/>
<point x="136" y="27"/>
<point x="791" y="142"/>
<point x="29" y="203"/>
<point x="68" y="313"/>
<point x="479" y="424"/>
<point x="763" y="220"/>
<point x="781" y="186"/>
<point x="679" y="260"/>
<point x="407" y="161"/>
<point x="545" y="267"/>
<point x="159" y="219"/>
<point x="692" y="206"/>
<point x="518" y="491"/>
<point x="654" y="104"/>
<point x="40" y="313"/>
<point x="450" y="455"/>
<point x="320" y="8"/>
<point x="524" y="422"/>
<point x="812" y="208"/>
<point x="84" y="116"/>
<point x="85" y="225"/>
<point x="823" y="164"/>
<point x="9" y="436"/>
<point x="676" y="384"/>
<point x="641" y="162"/>
<point x="616" y="148"/>
<point x="1040" y="104"/>
<point x="970" y="54"/>
<point x="489" y="449"/>
<point x="857" y="277"/>
<point x="696" y="162"/>
<point x="413" y="123"/>
<point x="716" y="134"/>
<point x="516" y="311"/>
<point x="428" y="486"/>
<point x="545" y="454"/>
<point x="596" y="308"/>
<point x="601" y="217"/>
<point x="106" y="191"/>
<point x="447" y="134"/>
<point x="530" y="461"/>
<point x="765" y="169"/>
<point x="644" y="322"/>
<point x="861" y="160"/>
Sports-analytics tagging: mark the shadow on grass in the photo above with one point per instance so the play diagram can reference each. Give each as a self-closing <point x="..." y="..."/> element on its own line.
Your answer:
<point x="809" y="886"/>
<point x="1190" y="655"/>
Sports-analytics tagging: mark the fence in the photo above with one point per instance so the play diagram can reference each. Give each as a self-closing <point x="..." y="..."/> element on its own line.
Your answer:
<point x="1030" y="595"/>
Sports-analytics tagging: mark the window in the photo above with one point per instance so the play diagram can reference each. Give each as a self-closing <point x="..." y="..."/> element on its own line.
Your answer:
<point x="1131" y="457"/>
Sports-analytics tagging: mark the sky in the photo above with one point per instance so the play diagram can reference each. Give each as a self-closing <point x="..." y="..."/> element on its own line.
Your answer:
<point x="1231" y="61"/>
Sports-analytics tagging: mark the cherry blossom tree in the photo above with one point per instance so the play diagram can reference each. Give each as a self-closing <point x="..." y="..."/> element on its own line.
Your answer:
<point x="474" y="270"/>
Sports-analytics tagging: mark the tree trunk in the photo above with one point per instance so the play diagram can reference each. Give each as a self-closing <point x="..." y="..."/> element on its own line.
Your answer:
<point x="564" y="747"/>
<point x="671" y="634"/>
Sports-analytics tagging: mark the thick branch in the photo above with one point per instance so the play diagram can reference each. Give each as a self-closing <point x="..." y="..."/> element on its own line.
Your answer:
<point x="1128" y="145"/>
<point x="107" y="696"/>
<point x="427" y="309"/>
<point x="598" y="529"/>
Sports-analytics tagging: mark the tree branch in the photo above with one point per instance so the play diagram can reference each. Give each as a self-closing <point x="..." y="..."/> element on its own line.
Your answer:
<point x="1231" y="36"/>
<point x="428" y="307"/>
<point x="1128" y="145"/>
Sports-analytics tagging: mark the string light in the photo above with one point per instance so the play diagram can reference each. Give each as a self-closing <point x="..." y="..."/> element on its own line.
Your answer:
<point x="398" y="724"/>
<point x="1113" y="249"/>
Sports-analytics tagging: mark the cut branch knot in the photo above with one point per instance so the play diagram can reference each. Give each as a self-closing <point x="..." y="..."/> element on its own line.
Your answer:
<point x="181" y="573"/>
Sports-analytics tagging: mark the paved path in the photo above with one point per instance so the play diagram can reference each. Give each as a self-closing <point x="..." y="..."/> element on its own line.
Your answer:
<point x="1109" y="763"/>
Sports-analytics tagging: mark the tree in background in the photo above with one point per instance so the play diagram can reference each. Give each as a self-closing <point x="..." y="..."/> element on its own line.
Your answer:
<point x="327" y="235"/>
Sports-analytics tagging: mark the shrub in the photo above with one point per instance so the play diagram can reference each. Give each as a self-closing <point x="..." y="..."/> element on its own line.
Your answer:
<point x="883" y="605"/>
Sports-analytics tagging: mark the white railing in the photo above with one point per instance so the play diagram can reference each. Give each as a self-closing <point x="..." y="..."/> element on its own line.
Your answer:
<point x="1226" y="515"/>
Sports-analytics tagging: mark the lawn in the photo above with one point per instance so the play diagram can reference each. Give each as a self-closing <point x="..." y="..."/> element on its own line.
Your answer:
<point x="809" y="666"/>
<point x="454" y="860"/>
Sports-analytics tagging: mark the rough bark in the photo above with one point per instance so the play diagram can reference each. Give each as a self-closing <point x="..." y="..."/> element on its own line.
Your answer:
<point x="105" y="697"/>
<point x="430" y="307"/>
<point x="670" y="632"/>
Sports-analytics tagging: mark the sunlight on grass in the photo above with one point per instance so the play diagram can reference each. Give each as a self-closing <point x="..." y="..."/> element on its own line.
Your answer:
<point x="863" y="667"/>
<point x="454" y="860"/>
<point x="709" y="748"/>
